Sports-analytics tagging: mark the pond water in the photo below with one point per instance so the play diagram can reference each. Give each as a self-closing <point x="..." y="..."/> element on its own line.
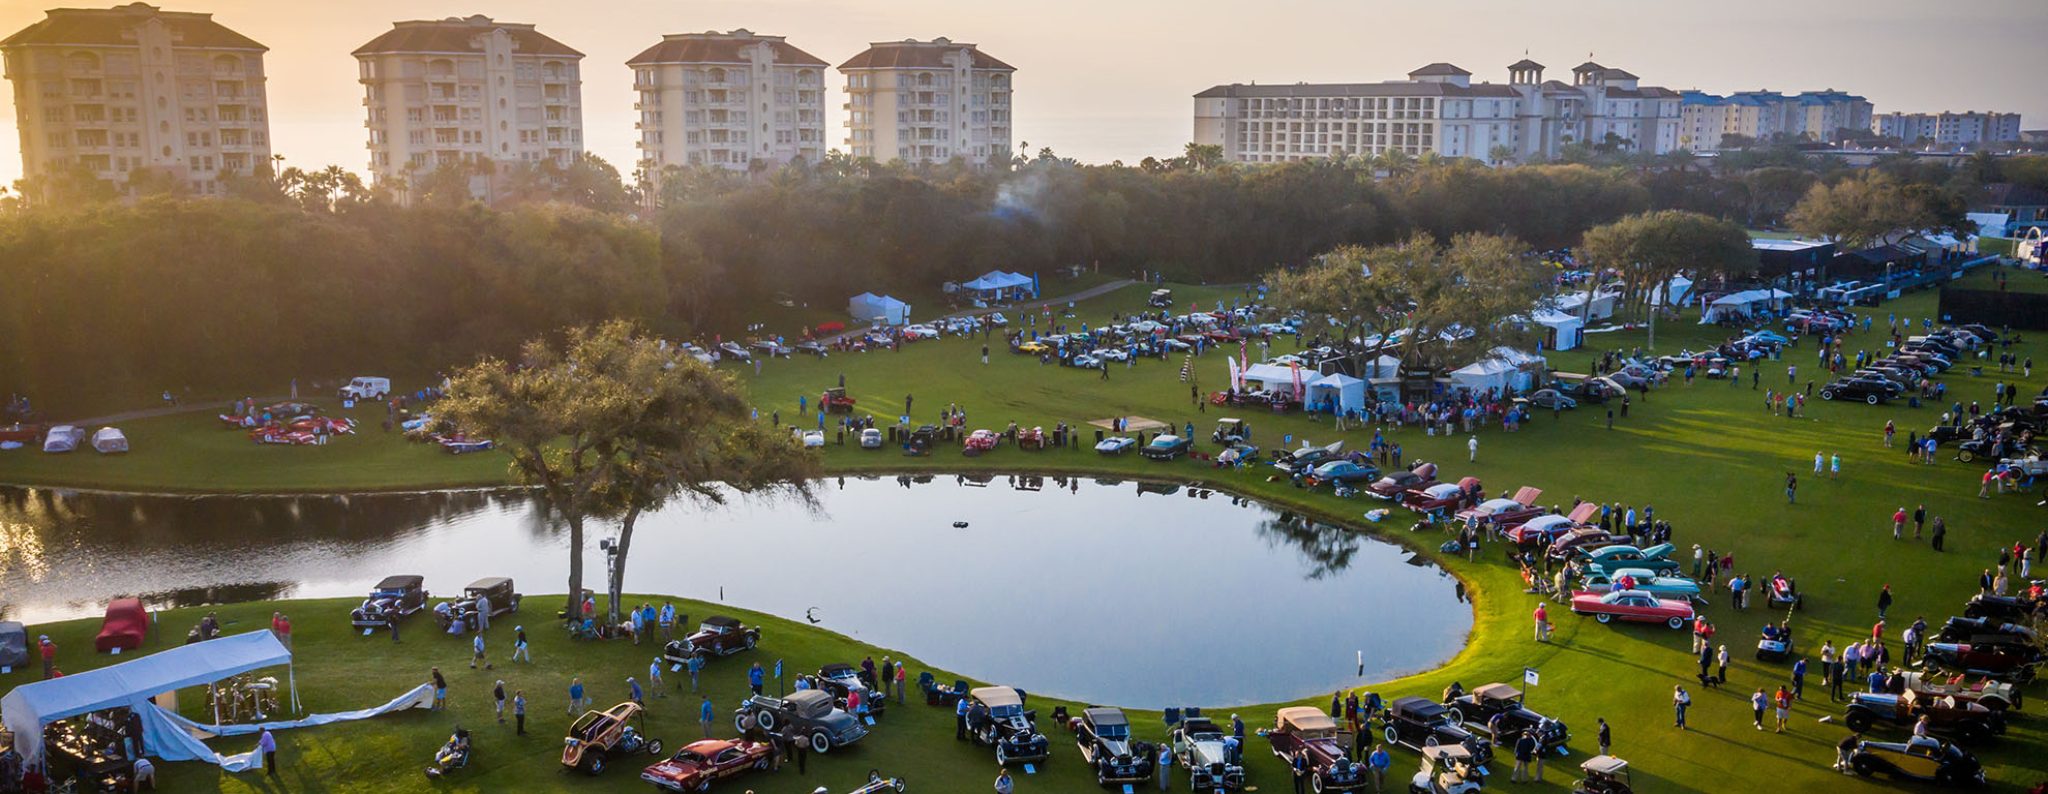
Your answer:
<point x="1141" y="595"/>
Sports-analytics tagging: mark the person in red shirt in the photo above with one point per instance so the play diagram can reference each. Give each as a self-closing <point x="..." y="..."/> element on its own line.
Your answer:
<point x="1542" y="623"/>
<point x="49" y="658"/>
<point x="1783" y="700"/>
<point x="282" y="627"/>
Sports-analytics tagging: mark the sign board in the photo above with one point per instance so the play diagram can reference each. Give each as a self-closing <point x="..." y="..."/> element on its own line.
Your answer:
<point x="1529" y="676"/>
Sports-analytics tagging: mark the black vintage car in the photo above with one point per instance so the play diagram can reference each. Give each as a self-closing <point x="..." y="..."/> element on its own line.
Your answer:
<point x="840" y="680"/>
<point x="1969" y="722"/>
<point x="1104" y="737"/>
<point x="996" y="718"/>
<point x="497" y="589"/>
<point x="1965" y="629"/>
<point x="393" y="599"/>
<point x="2004" y="658"/>
<point x="1869" y="390"/>
<point x="1416" y="722"/>
<point x="718" y="635"/>
<point x="1920" y="758"/>
<point x="2006" y="608"/>
<point x="808" y="716"/>
<point x="1478" y="709"/>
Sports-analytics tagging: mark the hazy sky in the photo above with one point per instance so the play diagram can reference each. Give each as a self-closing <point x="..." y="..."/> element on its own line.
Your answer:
<point x="1112" y="79"/>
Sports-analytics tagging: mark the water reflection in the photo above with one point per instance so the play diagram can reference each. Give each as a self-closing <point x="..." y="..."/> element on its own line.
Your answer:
<point x="1111" y="591"/>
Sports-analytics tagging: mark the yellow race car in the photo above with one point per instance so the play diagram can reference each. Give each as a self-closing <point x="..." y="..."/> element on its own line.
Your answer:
<point x="1920" y="758"/>
<point x="1034" y="348"/>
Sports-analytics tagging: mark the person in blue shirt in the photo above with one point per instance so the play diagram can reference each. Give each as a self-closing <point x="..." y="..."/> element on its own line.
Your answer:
<point x="1379" y="761"/>
<point x="1237" y="727"/>
<point x="755" y="676"/>
<point x="960" y="719"/>
<point x="1876" y="681"/>
<point x="696" y="665"/>
<point x="575" y="695"/>
<point x="1799" y="679"/>
<point x="705" y="715"/>
<point x="633" y="692"/>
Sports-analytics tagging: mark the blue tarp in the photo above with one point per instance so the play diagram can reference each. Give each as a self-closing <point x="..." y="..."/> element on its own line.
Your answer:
<point x="175" y="738"/>
<point x="32" y="706"/>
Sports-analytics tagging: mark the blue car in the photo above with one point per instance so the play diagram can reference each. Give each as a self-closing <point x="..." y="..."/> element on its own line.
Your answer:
<point x="1345" y="471"/>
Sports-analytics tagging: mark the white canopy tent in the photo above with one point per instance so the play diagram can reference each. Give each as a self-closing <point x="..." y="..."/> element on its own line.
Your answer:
<point x="1270" y="377"/>
<point x="1337" y="392"/>
<point x="1746" y="302"/>
<point x="1575" y="303"/>
<point x="1675" y="292"/>
<point x="997" y="281"/>
<point x="1565" y="330"/>
<point x="1383" y="367"/>
<point x="1503" y="368"/>
<point x="869" y="307"/>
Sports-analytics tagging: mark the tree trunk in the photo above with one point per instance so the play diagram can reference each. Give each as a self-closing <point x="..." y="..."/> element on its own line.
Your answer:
<point x="575" y="612"/>
<point x="617" y="575"/>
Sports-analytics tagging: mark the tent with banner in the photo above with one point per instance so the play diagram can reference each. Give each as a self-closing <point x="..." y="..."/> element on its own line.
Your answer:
<point x="1336" y="393"/>
<point x="31" y="707"/>
<point x="869" y="307"/>
<point x="1575" y="303"/>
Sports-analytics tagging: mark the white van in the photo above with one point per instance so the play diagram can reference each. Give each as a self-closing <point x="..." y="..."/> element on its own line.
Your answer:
<point x="366" y="389"/>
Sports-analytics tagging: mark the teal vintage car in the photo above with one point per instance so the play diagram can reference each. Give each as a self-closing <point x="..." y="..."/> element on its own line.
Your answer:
<point x="1615" y="557"/>
<point x="1646" y="580"/>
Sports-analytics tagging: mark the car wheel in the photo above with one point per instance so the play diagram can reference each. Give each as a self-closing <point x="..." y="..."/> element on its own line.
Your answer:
<point x="1429" y="741"/>
<point x="1459" y="715"/>
<point x="1001" y="759"/>
<point x="742" y="722"/>
<point x="1315" y="783"/>
<point x="766" y="719"/>
<point x="593" y="764"/>
<point x="1966" y="456"/>
<point x="1676" y="623"/>
<point x="654" y="747"/>
<point x="1393" y="736"/>
<point x="820" y="743"/>
<point x="1604" y="617"/>
<point x="752" y="641"/>
<point x="1872" y="399"/>
<point x="1858" y="721"/>
<point x="1827" y="394"/>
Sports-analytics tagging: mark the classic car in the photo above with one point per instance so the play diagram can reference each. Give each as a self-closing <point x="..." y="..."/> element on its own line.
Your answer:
<point x="718" y="635"/>
<point x="1307" y="733"/>
<point x="1611" y="557"/>
<point x="1964" y="629"/>
<point x="813" y="347"/>
<point x="496" y="588"/>
<point x="1604" y="774"/>
<point x="1345" y="471"/>
<point x="1115" y="445"/>
<point x="1443" y="497"/>
<point x="980" y="441"/>
<point x="599" y="734"/>
<point x="1086" y="361"/>
<point x="1568" y="545"/>
<point x="810" y="716"/>
<point x="811" y="439"/>
<point x="2008" y="608"/>
<point x="871" y="438"/>
<point x="996" y="718"/>
<point x="1477" y="709"/>
<point x="835" y="400"/>
<point x="1505" y="512"/>
<point x="1212" y="765"/>
<point x="732" y="351"/>
<point x="1552" y="399"/>
<point x="1634" y="605"/>
<point x="1992" y="694"/>
<point x="1418" y="722"/>
<point x="1920" y="758"/>
<point x="1165" y="446"/>
<point x="1447" y="769"/>
<point x="1782" y="592"/>
<point x="1541" y="531"/>
<point x="1033" y="437"/>
<point x="2005" y="659"/>
<point x="840" y="679"/>
<point x="1419" y="476"/>
<point x="393" y="599"/>
<point x="1644" y="579"/>
<point x="1034" y="347"/>
<point x="1870" y="390"/>
<point x="919" y="331"/>
<point x="694" y="767"/>
<point x="1231" y="430"/>
<point x="773" y="349"/>
<point x="1305" y="459"/>
<point x="1949" y="716"/>
<point x="1104" y="738"/>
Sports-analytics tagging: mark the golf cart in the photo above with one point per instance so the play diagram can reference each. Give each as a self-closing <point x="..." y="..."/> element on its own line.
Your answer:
<point x="835" y="400"/>
<point x="1446" y="769"/>
<point x="1231" y="430"/>
<point x="1605" y="774"/>
<point x="1160" y="299"/>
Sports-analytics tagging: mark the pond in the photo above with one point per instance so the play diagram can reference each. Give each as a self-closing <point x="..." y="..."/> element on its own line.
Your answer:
<point x="1136" y="594"/>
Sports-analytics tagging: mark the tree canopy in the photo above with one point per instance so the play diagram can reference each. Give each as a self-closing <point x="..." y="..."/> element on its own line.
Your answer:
<point x="1651" y="248"/>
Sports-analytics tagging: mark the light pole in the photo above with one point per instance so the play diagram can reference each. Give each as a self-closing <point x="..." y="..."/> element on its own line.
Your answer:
<point x="611" y="576"/>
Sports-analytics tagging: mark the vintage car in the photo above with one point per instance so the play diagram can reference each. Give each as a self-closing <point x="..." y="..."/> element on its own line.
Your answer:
<point x="773" y="349"/>
<point x="1447" y="769"/>
<point x="996" y="718"/>
<point x="1617" y="556"/>
<point x="979" y="441"/>
<point x="1419" y="476"/>
<point x="1632" y="605"/>
<point x="812" y="347"/>
<point x="718" y="635"/>
<point x="597" y="735"/>
<point x="1552" y="399"/>
<point x="1965" y="629"/>
<point x="1919" y="758"/>
<point x="811" y="439"/>
<point x="1991" y="694"/>
<point x="1541" y="531"/>
<point x="1345" y="471"/>
<point x="1034" y="347"/>
<point x="835" y="400"/>
<point x="1304" y="460"/>
<point x="1604" y="774"/>
<point x="871" y="438"/>
<point x="1417" y="722"/>
<point x="810" y="716"/>
<point x="2008" y="608"/>
<point x="732" y="351"/>
<point x="694" y="767"/>
<point x="1782" y="592"/>
<point x="1568" y="545"/>
<point x="1505" y="512"/>
<point x="393" y="599"/>
<point x="1104" y="738"/>
<point x="1444" y="497"/>
<point x="1869" y="390"/>
<point x="1231" y="430"/>
<point x="496" y="588"/>
<point x="840" y="680"/>
<point x="1948" y="716"/>
<point x="1165" y="446"/>
<point x="1198" y="746"/>
<point x="1307" y="733"/>
<point x="1115" y="445"/>
<point x="2005" y="659"/>
<point x="1477" y="709"/>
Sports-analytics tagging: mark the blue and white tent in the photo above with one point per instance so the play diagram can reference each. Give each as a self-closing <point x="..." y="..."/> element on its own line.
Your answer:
<point x="869" y="307"/>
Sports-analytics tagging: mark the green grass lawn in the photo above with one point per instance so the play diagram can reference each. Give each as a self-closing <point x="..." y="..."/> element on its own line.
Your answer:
<point x="2016" y="280"/>
<point x="1708" y="457"/>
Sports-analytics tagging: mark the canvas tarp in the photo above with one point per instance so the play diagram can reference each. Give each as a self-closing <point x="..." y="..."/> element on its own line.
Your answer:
<point x="131" y="684"/>
<point x="996" y="279"/>
<point x="174" y="738"/>
<point x="1745" y="302"/>
<point x="1502" y="368"/>
<point x="1269" y="376"/>
<point x="13" y="644"/>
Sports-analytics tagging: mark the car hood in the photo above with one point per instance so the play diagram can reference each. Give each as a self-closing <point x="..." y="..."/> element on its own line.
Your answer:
<point x="839" y="721"/>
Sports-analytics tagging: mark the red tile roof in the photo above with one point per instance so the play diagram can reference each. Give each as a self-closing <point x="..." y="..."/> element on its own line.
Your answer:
<point x="913" y="54"/>
<point x="457" y="35"/>
<point x="110" y="27"/>
<point x="1439" y="69"/>
<point x="719" y="48"/>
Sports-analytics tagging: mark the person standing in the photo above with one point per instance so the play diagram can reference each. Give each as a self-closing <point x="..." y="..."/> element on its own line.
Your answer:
<point x="1783" y="701"/>
<point x="1680" y="701"/>
<point x="440" y="689"/>
<point x="634" y="693"/>
<point x="1379" y="762"/>
<point x="1165" y="765"/>
<point x="282" y="627"/>
<point x="1472" y="445"/>
<point x="576" y="700"/>
<point x="1884" y="601"/>
<point x="1919" y="519"/>
<point x="1525" y="751"/>
<point x="1757" y="703"/>
<point x="1721" y="659"/>
<point x="1004" y="785"/>
<point x="1791" y="488"/>
<point x="1542" y="623"/>
<point x="267" y="745"/>
<point x="49" y="651"/>
<point x="1835" y="466"/>
<point x="1299" y="766"/>
<point x="695" y="666"/>
<point x="1940" y="533"/>
<point x="668" y="620"/>
<point x="476" y="645"/>
<point x="902" y="672"/>
<point x="705" y="714"/>
<point x="756" y="677"/>
<point x="654" y="678"/>
<point x="959" y="719"/>
<point x="1606" y="736"/>
<point x="1799" y="678"/>
<point x="1899" y="524"/>
<point x="498" y="698"/>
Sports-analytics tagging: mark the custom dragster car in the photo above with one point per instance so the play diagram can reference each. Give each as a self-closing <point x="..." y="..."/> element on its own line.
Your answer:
<point x="1307" y="733"/>
<point x="694" y="767"/>
<point x="996" y="718"/>
<point x="393" y="599"/>
<point x="1479" y="708"/>
<point x="807" y="715"/>
<point x="1212" y="762"/>
<point x="718" y="635"/>
<point x="1104" y="738"/>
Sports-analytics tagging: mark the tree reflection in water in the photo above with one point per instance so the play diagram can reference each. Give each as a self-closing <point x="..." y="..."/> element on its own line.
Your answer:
<point x="1327" y="548"/>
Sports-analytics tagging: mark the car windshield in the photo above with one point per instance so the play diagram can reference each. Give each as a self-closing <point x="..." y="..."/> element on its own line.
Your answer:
<point x="1006" y="712"/>
<point x="1113" y="731"/>
<point x="711" y="628"/>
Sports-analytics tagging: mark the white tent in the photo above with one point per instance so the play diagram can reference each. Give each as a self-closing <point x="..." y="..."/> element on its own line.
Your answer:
<point x="1565" y="330"/>
<point x="868" y="306"/>
<point x="1675" y="292"/>
<point x="1746" y="302"/>
<point x="1270" y="376"/>
<point x="1383" y="367"/>
<point x="1575" y="303"/>
<point x="1503" y="368"/>
<point x="1346" y="393"/>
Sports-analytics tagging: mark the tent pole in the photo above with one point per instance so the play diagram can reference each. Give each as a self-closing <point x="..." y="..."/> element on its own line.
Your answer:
<point x="213" y="694"/>
<point x="291" y="674"/>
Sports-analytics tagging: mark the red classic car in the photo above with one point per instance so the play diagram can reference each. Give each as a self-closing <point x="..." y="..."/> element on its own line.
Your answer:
<point x="1416" y="478"/>
<point x="1307" y="733"/>
<point x="1582" y="538"/>
<point x="1633" y="605"/>
<point x="1545" y="530"/>
<point x="1441" y="497"/>
<point x="694" y="767"/>
<point x="1505" y="512"/>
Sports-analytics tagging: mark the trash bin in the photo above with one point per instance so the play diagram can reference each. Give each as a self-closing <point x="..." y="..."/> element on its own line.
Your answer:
<point x="1098" y="435"/>
<point x="892" y="434"/>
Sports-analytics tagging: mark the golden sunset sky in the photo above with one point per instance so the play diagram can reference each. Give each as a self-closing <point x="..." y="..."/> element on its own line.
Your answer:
<point x="1112" y="79"/>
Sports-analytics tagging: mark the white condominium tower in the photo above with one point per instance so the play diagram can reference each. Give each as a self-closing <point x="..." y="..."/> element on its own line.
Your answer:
<point x="927" y="102"/>
<point x="728" y="100"/>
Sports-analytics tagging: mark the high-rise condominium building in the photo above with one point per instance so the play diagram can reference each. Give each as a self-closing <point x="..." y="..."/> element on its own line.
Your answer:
<point x="469" y="92"/>
<point x="1949" y="130"/>
<point x="1439" y="109"/>
<point x="727" y="100"/>
<point x="1766" y="115"/>
<point x="135" y="87"/>
<point x="927" y="102"/>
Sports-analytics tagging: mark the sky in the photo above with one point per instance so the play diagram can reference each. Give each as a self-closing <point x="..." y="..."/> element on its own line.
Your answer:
<point x="1103" y="80"/>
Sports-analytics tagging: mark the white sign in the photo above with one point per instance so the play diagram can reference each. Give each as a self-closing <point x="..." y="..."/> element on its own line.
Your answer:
<point x="1529" y="676"/>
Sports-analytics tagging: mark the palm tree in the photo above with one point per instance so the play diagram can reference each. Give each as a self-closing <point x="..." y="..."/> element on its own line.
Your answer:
<point x="1501" y="154"/>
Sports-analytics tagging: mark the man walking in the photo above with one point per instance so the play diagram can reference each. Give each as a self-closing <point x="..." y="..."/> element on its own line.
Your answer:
<point x="49" y="651"/>
<point x="695" y="665"/>
<point x="1940" y="533"/>
<point x="576" y="699"/>
<point x="1919" y="519"/>
<point x="1606" y="736"/>
<point x="1791" y="488"/>
<point x="267" y="745"/>
<point x="1799" y="678"/>
<point x="1379" y="762"/>
<point x="1525" y="751"/>
<point x="1899" y="524"/>
<point x="1757" y="702"/>
<point x="1472" y="445"/>
<point x="1542" y="623"/>
<point x="705" y="715"/>
<point x="1884" y="601"/>
<point x="498" y="698"/>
